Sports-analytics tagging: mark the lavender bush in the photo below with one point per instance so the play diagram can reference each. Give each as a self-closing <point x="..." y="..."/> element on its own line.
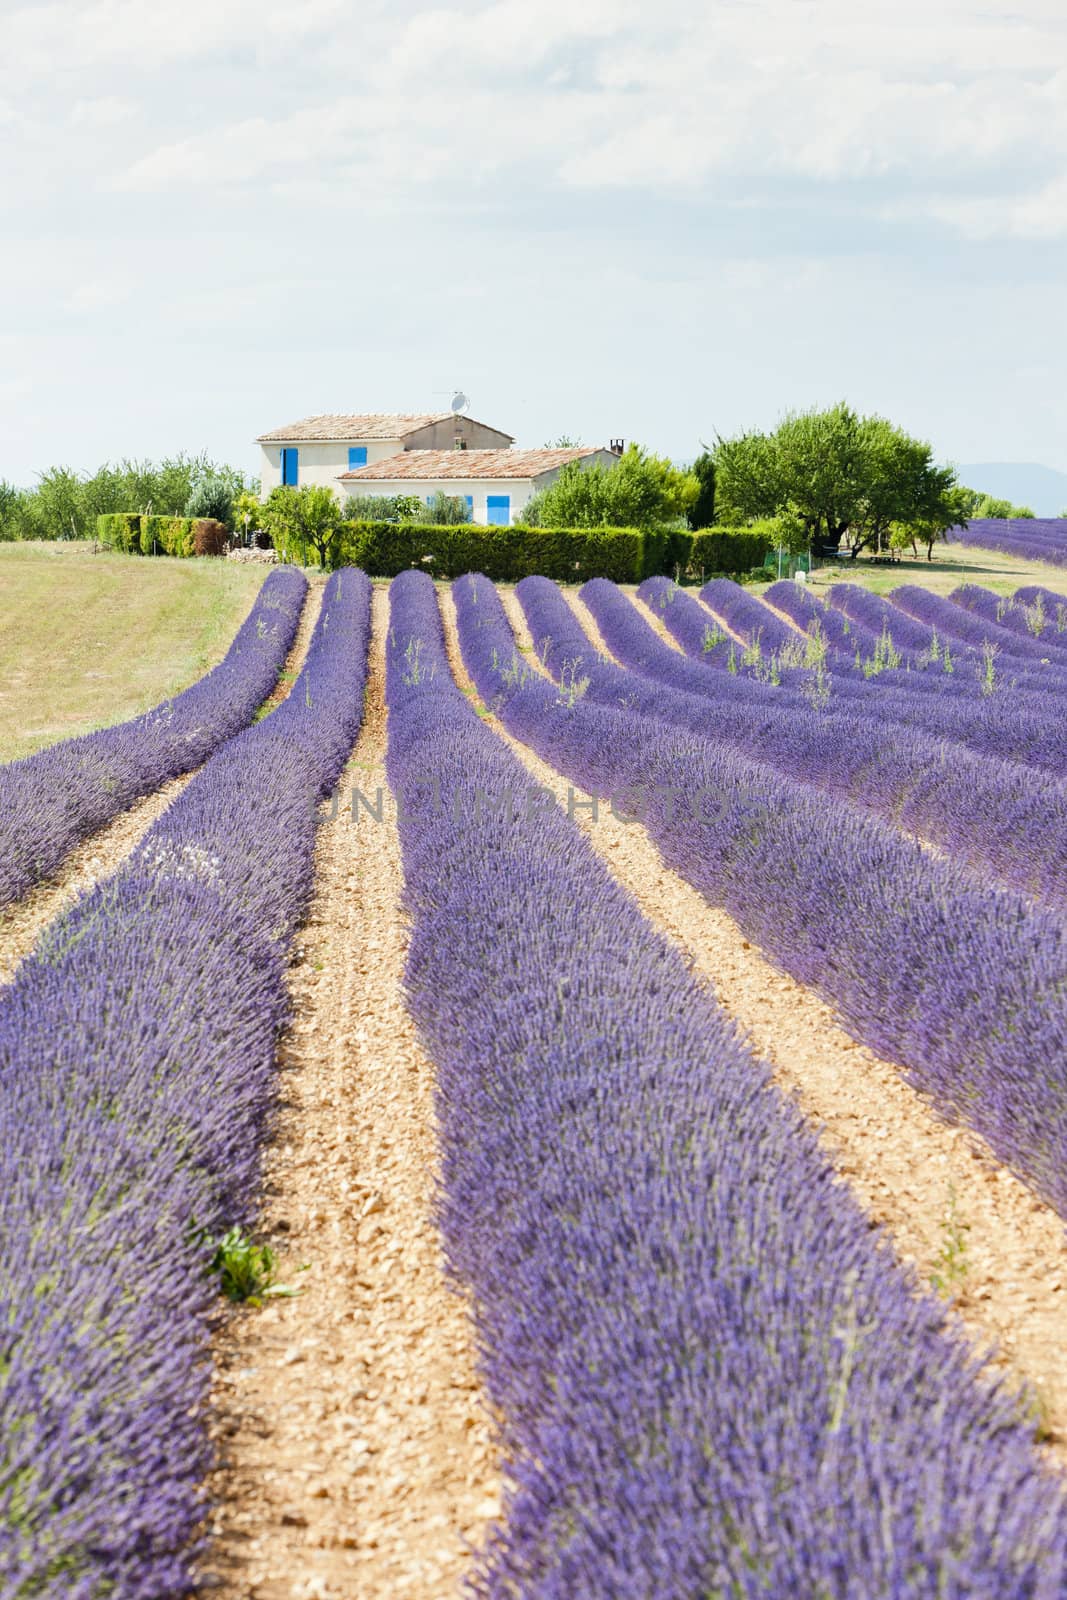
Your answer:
<point x="712" y="1377"/>
<point x="1010" y="723"/>
<point x="1029" y="538"/>
<point x="53" y="799"/>
<point x="970" y="625"/>
<point x="1034" y="622"/>
<point x="946" y="795"/>
<point x="964" y="985"/>
<point x="136" y="1075"/>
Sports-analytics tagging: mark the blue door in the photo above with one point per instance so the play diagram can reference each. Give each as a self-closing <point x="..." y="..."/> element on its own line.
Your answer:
<point x="357" y="456"/>
<point x="290" y="467"/>
<point x="498" y="510"/>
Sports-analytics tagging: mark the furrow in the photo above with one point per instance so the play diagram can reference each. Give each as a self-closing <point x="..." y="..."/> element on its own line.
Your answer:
<point x="357" y="1453"/>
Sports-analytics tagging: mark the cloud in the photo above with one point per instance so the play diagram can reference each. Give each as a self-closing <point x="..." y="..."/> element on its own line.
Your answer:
<point x="104" y="112"/>
<point x="592" y="95"/>
<point x="1039" y="213"/>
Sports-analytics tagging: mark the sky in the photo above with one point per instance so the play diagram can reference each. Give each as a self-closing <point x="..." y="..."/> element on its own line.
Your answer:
<point x="600" y="218"/>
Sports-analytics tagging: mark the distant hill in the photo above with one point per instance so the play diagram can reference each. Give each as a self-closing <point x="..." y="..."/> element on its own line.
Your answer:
<point x="1024" y="483"/>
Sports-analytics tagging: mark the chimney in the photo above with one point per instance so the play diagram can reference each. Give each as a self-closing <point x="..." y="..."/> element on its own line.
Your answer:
<point x="616" y="446"/>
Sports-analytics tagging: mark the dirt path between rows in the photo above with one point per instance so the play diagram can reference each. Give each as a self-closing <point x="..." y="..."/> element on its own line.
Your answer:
<point x="356" y="1454"/>
<point x="22" y="922"/>
<point x="950" y="1207"/>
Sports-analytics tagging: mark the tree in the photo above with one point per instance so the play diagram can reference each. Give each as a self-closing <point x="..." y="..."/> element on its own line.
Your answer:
<point x="987" y="508"/>
<point x="12" y="511"/>
<point x="813" y="462"/>
<point x="212" y="497"/>
<point x="296" y="518"/>
<point x="903" y="489"/>
<point x="836" y="473"/>
<point x="702" y="510"/>
<point x="641" y="490"/>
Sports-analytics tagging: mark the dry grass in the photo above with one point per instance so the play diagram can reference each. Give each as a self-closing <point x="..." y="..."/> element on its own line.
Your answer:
<point x="952" y="565"/>
<point x="87" y="640"/>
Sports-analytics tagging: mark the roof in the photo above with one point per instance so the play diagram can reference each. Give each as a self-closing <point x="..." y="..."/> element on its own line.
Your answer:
<point x="372" y="425"/>
<point x="432" y="464"/>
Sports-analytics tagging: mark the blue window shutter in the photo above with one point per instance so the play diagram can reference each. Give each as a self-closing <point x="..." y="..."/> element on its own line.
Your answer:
<point x="357" y="456"/>
<point x="498" y="510"/>
<point x="470" y="503"/>
<point x="290" y="467"/>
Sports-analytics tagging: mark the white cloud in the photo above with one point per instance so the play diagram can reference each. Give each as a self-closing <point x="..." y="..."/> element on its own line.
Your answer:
<point x="104" y="112"/>
<point x="589" y="94"/>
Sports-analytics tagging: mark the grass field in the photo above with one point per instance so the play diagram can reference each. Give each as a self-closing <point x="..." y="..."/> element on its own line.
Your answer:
<point x="87" y="640"/>
<point x="952" y="565"/>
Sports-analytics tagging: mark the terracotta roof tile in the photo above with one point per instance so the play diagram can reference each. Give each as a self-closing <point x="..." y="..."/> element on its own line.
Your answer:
<point x="372" y="425"/>
<point x="433" y="464"/>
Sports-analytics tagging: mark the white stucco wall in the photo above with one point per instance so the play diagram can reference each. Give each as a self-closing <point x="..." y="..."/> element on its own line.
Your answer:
<point x="319" y="463"/>
<point x="479" y="489"/>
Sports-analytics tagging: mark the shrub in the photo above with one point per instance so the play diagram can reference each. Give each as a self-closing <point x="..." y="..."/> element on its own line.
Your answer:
<point x="445" y="510"/>
<point x="381" y="508"/>
<point x="297" y="519"/>
<point x="209" y="537"/>
<point x="212" y="500"/>
<point x="120" y="530"/>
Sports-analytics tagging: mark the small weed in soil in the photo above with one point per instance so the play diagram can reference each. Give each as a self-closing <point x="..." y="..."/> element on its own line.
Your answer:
<point x="246" y="1270"/>
<point x="951" y="1263"/>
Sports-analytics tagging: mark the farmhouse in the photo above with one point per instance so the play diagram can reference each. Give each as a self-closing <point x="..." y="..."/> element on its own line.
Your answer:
<point x="425" y="455"/>
<point x="496" y="484"/>
<point x="320" y="449"/>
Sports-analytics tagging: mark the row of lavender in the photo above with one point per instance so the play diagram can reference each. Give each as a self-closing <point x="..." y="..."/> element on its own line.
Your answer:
<point x="1031" y="538"/>
<point x="50" y="801"/>
<point x="961" y="982"/>
<point x="917" y="641"/>
<point x="909" y="674"/>
<point x="903" y="774"/>
<point x="136" y="1073"/>
<point x="712" y="1377"/>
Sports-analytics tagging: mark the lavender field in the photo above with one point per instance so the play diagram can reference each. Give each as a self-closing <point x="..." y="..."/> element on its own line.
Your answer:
<point x="619" y="1035"/>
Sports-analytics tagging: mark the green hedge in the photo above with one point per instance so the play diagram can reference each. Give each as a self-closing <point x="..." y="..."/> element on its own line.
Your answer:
<point x="569" y="555"/>
<point x="120" y="530"/>
<point x="165" y="536"/>
<point x="726" y="550"/>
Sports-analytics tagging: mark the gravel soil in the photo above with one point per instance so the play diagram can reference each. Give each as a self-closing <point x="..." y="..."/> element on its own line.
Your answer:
<point x="356" y="1455"/>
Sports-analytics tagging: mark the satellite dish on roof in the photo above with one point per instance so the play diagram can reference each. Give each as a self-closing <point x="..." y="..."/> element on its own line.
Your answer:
<point x="460" y="403"/>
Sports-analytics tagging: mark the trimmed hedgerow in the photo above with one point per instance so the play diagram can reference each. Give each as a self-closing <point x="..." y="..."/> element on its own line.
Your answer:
<point x="569" y="555"/>
<point x="137" y="1050"/>
<point x="120" y="530"/>
<point x="136" y="533"/>
<point x="726" y="550"/>
<point x="53" y="799"/>
<point x="210" y="537"/>
<point x="168" y="536"/>
<point x="712" y="1378"/>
